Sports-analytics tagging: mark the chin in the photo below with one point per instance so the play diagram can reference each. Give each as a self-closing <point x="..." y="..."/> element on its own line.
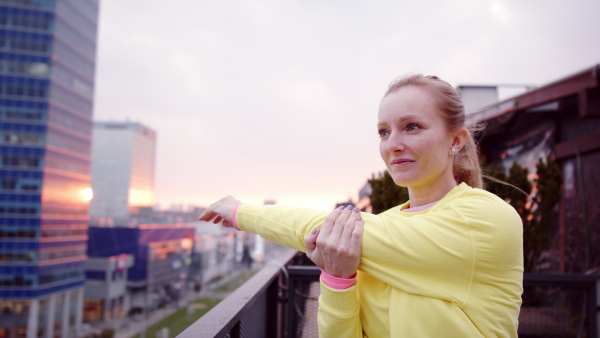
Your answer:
<point x="401" y="181"/>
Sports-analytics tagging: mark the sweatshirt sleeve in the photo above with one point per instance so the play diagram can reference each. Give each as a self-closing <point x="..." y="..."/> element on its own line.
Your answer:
<point x="434" y="253"/>
<point x="339" y="312"/>
<point x="280" y="224"/>
<point x="440" y="253"/>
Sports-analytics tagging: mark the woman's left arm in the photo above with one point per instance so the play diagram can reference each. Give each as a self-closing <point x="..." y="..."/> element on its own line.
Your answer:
<point x="336" y="248"/>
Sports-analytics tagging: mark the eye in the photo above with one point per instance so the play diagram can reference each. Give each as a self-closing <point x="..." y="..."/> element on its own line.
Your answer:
<point x="413" y="127"/>
<point x="383" y="133"/>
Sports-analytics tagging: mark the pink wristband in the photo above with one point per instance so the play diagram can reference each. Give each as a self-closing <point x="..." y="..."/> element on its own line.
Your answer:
<point x="337" y="282"/>
<point x="234" y="217"/>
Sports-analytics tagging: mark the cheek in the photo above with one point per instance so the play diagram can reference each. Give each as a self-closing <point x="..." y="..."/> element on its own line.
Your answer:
<point x="382" y="150"/>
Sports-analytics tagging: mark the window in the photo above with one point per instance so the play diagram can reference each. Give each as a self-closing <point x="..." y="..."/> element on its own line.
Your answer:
<point x="8" y="184"/>
<point x="19" y="161"/>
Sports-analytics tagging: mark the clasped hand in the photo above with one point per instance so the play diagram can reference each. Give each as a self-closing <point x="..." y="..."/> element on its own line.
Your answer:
<point x="336" y="247"/>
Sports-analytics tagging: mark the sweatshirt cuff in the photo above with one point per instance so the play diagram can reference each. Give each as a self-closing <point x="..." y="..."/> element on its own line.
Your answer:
<point x="234" y="218"/>
<point x="337" y="282"/>
<point x="339" y="303"/>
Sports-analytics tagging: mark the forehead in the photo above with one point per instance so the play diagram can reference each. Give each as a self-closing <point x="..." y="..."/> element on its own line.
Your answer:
<point x="409" y="101"/>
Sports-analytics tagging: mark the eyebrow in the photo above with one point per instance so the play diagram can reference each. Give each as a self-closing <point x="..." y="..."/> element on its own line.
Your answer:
<point x="402" y="119"/>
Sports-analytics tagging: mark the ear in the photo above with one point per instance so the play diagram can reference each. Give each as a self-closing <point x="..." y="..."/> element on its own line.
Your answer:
<point x="460" y="137"/>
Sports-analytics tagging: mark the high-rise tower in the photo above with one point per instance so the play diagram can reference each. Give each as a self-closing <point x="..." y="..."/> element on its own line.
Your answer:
<point x="122" y="171"/>
<point x="47" y="64"/>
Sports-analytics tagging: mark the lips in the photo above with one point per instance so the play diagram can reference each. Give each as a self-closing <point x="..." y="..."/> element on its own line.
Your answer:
<point x="401" y="162"/>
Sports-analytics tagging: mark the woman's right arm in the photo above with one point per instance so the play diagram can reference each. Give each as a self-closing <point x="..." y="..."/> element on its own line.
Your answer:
<point x="435" y="249"/>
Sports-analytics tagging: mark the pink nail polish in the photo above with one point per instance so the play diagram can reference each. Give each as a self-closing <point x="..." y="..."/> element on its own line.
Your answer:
<point x="349" y="207"/>
<point x="356" y="209"/>
<point x="359" y="218"/>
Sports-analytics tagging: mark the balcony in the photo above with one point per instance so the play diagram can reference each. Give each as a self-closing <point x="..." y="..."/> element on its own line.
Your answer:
<point x="281" y="301"/>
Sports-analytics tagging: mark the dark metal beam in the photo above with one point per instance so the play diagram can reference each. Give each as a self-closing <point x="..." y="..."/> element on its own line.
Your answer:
<point x="586" y="144"/>
<point x="569" y="86"/>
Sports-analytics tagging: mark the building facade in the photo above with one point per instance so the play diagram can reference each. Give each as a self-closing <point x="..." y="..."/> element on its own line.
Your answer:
<point x="47" y="65"/>
<point x="560" y="120"/>
<point x="106" y="295"/>
<point x="122" y="171"/>
<point x="161" y="253"/>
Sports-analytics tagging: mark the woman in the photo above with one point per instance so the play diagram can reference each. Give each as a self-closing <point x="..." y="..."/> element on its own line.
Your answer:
<point x="447" y="263"/>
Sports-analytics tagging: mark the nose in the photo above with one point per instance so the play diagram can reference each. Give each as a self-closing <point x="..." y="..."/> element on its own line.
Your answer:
<point x="395" y="143"/>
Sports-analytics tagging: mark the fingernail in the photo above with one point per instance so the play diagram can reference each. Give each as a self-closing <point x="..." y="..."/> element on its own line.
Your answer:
<point x="341" y="207"/>
<point x="359" y="218"/>
<point x="314" y="231"/>
<point x="349" y="207"/>
<point x="356" y="209"/>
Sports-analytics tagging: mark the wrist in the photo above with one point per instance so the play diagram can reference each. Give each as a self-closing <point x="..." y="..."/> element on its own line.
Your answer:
<point x="234" y="218"/>
<point x="337" y="282"/>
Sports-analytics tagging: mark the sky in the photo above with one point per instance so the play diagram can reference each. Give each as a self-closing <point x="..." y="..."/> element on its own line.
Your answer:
<point x="277" y="100"/>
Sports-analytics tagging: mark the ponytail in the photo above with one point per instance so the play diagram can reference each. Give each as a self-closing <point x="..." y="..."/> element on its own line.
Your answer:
<point x="466" y="166"/>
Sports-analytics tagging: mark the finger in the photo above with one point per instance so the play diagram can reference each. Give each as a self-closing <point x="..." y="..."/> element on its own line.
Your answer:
<point x="206" y="215"/>
<point x="227" y="224"/>
<point x="328" y="223"/>
<point x="340" y="222"/>
<point x="310" y="241"/>
<point x="217" y="219"/>
<point x="356" y="241"/>
<point x="348" y="227"/>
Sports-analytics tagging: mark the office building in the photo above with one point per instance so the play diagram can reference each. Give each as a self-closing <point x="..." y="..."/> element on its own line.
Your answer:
<point x="47" y="65"/>
<point x="106" y="287"/>
<point x="157" y="272"/>
<point x="122" y="171"/>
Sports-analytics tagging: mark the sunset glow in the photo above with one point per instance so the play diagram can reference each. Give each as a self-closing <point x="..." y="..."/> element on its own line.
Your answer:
<point x="88" y="194"/>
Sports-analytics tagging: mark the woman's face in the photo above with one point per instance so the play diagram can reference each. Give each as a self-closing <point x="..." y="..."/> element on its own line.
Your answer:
<point x="415" y="144"/>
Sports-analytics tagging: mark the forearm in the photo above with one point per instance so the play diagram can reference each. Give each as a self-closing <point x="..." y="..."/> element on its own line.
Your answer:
<point x="283" y="225"/>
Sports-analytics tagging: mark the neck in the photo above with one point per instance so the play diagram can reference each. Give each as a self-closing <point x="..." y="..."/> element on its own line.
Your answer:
<point x="421" y="195"/>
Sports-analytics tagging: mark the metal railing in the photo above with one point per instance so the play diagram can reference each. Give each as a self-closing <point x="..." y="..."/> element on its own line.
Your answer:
<point x="281" y="302"/>
<point x="253" y="310"/>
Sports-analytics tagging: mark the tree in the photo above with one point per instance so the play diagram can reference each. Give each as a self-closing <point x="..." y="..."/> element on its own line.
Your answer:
<point x="385" y="193"/>
<point x="536" y="234"/>
<point x="534" y="201"/>
<point x="495" y="180"/>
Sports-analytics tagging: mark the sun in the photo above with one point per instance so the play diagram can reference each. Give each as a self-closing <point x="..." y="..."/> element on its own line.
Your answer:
<point x="88" y="194"/>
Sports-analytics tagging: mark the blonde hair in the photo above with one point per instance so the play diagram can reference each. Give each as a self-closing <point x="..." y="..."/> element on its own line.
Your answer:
<point x="466" y="166"/>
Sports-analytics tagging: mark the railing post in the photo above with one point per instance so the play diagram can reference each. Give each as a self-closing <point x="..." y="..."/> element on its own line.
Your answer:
<point x="235" y="331"/>
<point x="597" y="307"/>
<point x="291" y="313"/>
<point x="272" y="309"/>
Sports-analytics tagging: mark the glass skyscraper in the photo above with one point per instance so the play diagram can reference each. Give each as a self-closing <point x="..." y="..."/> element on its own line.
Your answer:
<point x="47" y="65"/>
<point x="122" y="172"/>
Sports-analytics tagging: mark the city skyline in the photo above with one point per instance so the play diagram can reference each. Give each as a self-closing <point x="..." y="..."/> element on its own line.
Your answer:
<point x="279" y="101"/>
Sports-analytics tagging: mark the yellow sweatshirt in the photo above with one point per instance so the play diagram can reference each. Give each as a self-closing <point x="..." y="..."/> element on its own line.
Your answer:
<point x="453" y="270"/>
